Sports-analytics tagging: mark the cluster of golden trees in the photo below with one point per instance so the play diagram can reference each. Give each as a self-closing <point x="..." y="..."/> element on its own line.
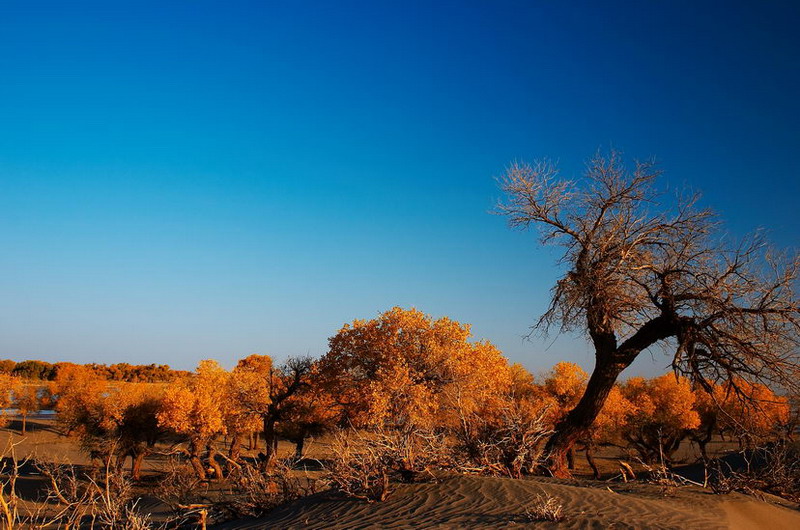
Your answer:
<point x="131" y="373"/>
<point x="401" y="371"/>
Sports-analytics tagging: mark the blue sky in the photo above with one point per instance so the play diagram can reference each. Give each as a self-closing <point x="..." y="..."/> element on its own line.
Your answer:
<point x="184" y="180"/>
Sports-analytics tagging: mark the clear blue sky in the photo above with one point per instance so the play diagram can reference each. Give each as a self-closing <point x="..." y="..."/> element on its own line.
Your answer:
<point x="184" y="180"/>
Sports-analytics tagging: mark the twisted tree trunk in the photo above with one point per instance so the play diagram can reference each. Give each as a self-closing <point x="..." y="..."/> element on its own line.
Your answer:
<point x="576" y="424"/>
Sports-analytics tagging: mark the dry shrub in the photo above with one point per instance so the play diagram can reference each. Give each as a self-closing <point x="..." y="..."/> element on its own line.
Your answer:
<point x="365" y="462"/>
<point x="772" y="469"/>
<point x="83" y="500"/>
<point x="509" y="444"/>
<point x="545" y="508"/>
<point x="258" y="492"/>
<point x="660" y="475"/>
<point x="179" y="486"/>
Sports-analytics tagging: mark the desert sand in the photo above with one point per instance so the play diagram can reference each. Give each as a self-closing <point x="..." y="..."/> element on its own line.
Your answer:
<point x="488" y="502"/>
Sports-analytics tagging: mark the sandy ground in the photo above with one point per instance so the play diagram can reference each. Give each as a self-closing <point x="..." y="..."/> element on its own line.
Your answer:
<point x="464" y="501"/>
<point x="486" y="502"/>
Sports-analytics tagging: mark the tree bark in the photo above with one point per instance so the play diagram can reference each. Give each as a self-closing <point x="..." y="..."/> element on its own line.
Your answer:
<point x="194" y="459"/>
<point x="611" y="359"/>
<point x="299" y="444"/>
<point x="270" y="441"/>
<point x="577" y="423"/>
<point x="212" y="461"/>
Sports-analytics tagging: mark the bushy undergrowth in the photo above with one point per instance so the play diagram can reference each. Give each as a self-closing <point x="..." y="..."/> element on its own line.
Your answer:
<point x="774" y="469"/>
<point x="510" y="444"/>
<point x="365" y="463"/>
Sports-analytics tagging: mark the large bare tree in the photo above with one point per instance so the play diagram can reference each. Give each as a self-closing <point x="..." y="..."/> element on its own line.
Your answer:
<point x="644" y="270"/>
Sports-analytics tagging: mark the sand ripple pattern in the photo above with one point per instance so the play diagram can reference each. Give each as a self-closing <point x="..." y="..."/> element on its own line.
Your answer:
<point x="481" y="502"/>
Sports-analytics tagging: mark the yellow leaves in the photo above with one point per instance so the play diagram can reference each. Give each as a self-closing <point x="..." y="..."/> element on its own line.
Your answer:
<point x="614" y="416"/>
<point x="8" y="384"/>
<point x="566" y="383"/>
<point x="252" y="383"/>
<point x="405" y="367"/>
<point x="666" y="400"/>
<point x="196" y="406"/>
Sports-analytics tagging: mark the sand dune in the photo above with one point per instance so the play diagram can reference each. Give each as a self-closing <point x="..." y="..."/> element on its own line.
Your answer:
<point x="481" y="502"/>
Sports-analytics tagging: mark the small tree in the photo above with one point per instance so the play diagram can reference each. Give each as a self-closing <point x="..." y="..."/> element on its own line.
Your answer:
<point x="663" y="414"/>
<point x="312" y="413"/>
<point x="758" y="418"/>
<point x="195" y="408"/>
<point x="269" y="392"/>
<point x="27" y="401"/>
<point x="641" y="272"/>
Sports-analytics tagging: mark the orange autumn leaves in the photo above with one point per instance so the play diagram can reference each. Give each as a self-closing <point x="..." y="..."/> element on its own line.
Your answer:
<point x="406" y="369"/>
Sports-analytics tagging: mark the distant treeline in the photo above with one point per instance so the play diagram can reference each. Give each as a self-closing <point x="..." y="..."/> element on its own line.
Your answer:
<point x="132" y="373"/>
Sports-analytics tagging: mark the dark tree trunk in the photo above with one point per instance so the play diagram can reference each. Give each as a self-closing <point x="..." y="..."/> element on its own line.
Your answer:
<point x="299" y="444"/>
<point x="212" y="461"/>
<point x="194" y="459"/>
<point x="577" y="423"/>
<point x="270" y="442"/>
<point x="571" y="458"/>
<point x="703" y="452"/>
<point x="24" y="423"/>
<point x="120" y="463"/>
<point x="590" y="460"/>
<point x="610" y="360"/>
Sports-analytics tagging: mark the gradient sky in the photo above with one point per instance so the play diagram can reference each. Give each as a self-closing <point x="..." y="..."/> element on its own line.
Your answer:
<point x="185" y="180"/>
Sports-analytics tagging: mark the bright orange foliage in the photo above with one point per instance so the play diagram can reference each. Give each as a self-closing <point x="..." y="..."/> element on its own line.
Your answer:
<point x="663" y="413"/>
<point x="404" y="368"/>
<point x="195" y="406"/>
<point x="565" y="384"/>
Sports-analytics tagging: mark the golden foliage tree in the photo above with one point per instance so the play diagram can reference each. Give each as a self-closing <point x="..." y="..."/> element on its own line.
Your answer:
<point x="752" y="413"/>
<point x="27" y="400"/>
<point x="7" y="385"/>
<point x="405" y="369"/>
<point x="195" y="407"/>
<point x="111" y="421"/>
<point x="663" y="413"/>
<point x="312" y="412"/>
<point x="269" y="392"/>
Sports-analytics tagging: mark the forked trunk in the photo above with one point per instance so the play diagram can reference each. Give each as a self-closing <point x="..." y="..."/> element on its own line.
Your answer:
<point x="577" y="423"/>
<point x="212" y="461"/>
<point x="194" y="459"/>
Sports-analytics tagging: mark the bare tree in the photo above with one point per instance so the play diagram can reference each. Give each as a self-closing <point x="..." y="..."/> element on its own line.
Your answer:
<point x="642" y="272"/>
